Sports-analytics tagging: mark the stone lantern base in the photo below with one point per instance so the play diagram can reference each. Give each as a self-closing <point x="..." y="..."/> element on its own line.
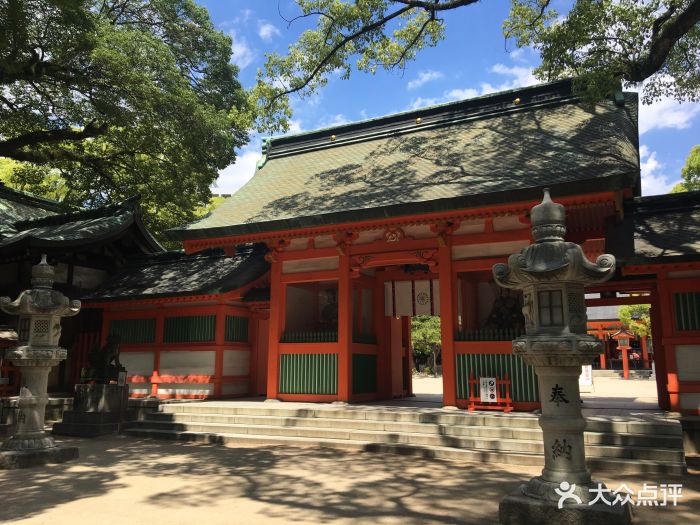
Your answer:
<point x="14" y="459"/>
<point x="525" y="508"/>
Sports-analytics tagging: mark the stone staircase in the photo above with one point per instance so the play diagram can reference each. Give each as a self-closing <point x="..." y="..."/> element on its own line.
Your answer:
<point x="631" y="445"/>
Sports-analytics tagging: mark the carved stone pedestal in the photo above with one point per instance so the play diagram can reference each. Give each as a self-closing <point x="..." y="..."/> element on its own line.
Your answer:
<point x="97" y="410"/>
<point x="29" y="445"/>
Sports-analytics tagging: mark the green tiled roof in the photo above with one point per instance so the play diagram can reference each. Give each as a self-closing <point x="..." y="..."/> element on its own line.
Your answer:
<point x="79" y="228"/>
<point x="18" y="206"/>
<point x="470" y="153"/>
<point x="176" y="274"/>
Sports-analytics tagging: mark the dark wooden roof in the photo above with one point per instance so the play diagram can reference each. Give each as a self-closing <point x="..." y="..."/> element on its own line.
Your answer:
<point x="177" y="274"/>
<point x="494" y="149"/>
<point x="658" y="229"/>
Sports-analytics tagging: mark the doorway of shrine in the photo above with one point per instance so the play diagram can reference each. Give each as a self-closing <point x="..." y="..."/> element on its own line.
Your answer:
<point x="625" y="376"/>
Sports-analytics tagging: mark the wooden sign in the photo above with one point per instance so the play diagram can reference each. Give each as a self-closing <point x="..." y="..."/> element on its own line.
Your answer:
<point x="487" y="389"/>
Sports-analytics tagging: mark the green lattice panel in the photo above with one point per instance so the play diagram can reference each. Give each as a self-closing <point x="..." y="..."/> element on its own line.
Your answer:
<point x="134" y="331"/>
<point x="189" y="329"/>
<point x="522" y="376"/>
<point x="308" y="374"/>
<point x="687" y="311"/>
<point x="236" y="329"/>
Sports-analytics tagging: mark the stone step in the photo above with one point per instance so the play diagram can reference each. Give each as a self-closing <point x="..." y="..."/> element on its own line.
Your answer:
<point x="482" y="456"/>
<point x="592" y="438"/>
<point x="437" y="416"/>
<point x="533" y="446"/>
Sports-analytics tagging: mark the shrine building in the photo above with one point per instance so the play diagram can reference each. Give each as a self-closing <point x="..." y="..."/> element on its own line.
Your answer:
<point x="301" y="285"/>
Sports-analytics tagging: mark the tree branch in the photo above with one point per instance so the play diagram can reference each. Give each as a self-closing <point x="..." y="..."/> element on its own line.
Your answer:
<point x="666" y="34"/>
<point x="433" y="6"/>
<point x="13" y="148"/>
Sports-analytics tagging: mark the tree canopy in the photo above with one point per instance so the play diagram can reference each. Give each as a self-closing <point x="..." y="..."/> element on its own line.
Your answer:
<point x="636" y="319"/>
<point x="426" y="337"/>
<point x="600" y="42"/>
<point x="104" y="99"/>
<point x="690" y="172"/>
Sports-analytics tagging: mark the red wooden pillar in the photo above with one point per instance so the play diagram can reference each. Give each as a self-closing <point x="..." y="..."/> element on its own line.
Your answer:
<point x="669" y="350"/>
<point x="657" y="331"/>
<point x="160" y="330"/>
<point x="383" y="350"/>
<point x="254" y="353"/>
<point x="625" y="362"/>
<point x="447" y="323"/>
<point x="409" y="356"/>
<point x="602" y="336"/>
<point x="219" y="341"/>
<point x="645" y="351"/>
<point x="344" y="328"/>
<point x="278" y="309"/>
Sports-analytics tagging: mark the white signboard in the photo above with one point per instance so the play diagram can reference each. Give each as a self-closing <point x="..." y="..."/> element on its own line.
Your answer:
<point x="585" y="380"/>
<point x="487" y="389"/>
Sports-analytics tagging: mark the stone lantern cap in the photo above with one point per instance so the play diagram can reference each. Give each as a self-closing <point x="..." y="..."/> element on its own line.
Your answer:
<point x="550" y="258"/>
<point x="41" y="299"/>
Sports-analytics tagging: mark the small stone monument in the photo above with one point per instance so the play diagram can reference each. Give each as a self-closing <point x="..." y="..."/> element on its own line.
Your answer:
<point x="100" y="402"/>
<point x="40" y="310"/>
<point x="552" y="274"/>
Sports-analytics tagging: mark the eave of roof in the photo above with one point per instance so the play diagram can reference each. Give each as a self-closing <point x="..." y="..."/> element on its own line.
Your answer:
<point x="89" y="227"/>
<point x="660" y="230"/>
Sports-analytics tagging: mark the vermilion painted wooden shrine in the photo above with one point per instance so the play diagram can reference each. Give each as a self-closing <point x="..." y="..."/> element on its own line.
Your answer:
<point x="301" y="285"/>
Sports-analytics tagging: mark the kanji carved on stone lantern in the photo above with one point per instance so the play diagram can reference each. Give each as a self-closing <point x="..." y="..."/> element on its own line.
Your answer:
<point x="552" y="274"/>
<point x="40" y="310"/>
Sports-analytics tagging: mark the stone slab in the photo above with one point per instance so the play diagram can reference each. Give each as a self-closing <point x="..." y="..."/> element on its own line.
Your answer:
<point x="100" y="398"/>
<point x="98" y="410"/>
<point x="85" y="429"/>
<point x="12" y="459"/>
<point x="518" y="509"/>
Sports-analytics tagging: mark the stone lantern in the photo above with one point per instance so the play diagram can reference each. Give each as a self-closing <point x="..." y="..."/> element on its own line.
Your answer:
<point x="40" y="310"/>
<point x="623" y="338"/>
<point x="552" y="274"/>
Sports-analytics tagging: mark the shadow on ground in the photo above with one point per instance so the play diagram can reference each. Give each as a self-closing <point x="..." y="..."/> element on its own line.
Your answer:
<point x="126" y="480"/>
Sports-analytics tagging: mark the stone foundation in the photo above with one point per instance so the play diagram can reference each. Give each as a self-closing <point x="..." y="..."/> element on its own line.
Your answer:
<point x="518" y="509"/>
<point x="15" y="459"/>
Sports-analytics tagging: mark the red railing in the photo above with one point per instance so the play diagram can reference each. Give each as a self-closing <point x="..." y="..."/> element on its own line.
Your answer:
<point x="503" y="400"/>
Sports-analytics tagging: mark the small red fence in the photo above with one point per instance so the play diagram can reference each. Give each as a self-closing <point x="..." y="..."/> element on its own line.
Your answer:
<point x="502" y="402"/>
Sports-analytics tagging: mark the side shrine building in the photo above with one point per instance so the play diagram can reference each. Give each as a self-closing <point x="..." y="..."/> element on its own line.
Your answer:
<point x="301" y="286"/>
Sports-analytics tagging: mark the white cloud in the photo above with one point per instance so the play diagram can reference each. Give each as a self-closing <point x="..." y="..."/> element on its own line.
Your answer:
<point x="457" y="94"/>
<point x="422" y="102"/>
<point x="295" y="126"/>
<point x="654" y="180"/>
<point x="423" y="78"/>
<point x="267" y="31"/>
<point x="667" y="113"/>
<point x="236" y="175"/>
<point x="521" y="77"/>
<point x="243" y="54"/>
<point x="333" y="120"/>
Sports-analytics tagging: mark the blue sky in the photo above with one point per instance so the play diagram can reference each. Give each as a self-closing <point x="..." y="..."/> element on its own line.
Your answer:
<point x="473" y="59"/>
